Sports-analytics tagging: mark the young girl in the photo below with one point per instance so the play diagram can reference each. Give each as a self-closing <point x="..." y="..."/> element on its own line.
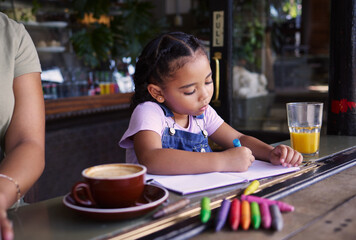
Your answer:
<point x="172" y="119"/>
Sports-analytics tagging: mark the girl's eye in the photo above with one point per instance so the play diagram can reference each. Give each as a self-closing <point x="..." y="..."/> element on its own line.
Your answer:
<point x="189" y="93"/>
<point x="207" y="83"/>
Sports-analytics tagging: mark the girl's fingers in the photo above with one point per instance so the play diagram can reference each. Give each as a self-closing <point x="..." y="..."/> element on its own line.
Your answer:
<point x="295" y="158"/>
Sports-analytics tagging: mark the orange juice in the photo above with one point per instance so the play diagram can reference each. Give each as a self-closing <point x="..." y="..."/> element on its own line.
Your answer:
<point x="305" y="142"/>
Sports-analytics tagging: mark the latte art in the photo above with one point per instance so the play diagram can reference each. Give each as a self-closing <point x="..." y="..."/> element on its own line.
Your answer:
<point x="112" y="171"/>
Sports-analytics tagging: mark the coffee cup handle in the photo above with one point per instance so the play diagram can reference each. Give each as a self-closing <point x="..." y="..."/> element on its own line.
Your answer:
<point x="88" y="201"/>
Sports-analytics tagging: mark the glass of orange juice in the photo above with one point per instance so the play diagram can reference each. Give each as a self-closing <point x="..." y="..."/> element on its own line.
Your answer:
<point x="304" y="123"/>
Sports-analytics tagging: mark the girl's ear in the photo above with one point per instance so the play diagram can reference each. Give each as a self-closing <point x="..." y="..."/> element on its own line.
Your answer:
<point x="156" y="92"/>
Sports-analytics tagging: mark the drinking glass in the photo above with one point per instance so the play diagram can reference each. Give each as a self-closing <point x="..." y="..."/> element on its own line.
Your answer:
<point x="304" y="123"/>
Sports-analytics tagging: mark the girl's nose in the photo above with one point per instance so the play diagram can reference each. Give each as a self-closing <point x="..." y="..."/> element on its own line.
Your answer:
<point x="204" y="94"/>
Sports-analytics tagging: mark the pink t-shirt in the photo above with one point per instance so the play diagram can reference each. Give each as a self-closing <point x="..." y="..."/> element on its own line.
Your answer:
<point x="150" y="116"/>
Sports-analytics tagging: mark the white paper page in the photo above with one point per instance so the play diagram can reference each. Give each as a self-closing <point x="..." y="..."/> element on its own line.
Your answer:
<point x="185" y="184"/>
<point x="260" y="169"/>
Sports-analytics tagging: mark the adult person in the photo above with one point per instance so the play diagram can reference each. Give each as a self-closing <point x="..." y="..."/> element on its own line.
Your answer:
<point x="22" y="120"/>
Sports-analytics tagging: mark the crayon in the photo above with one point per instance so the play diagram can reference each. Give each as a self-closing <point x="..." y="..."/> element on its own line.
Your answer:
<point x="265" y="215"/>
<point x="252" y="187"/>
<point x="172" y="208"/>
<point x="277" y="219"/>
<point x="222" y="214"/>
<point x="283" y="207"/>
<point x="255" y="215"/>
<point x="236" y="143"/>
<point x="235" y="214"/>
<point x="245" y="215"/>
<point x="205" y="211"/>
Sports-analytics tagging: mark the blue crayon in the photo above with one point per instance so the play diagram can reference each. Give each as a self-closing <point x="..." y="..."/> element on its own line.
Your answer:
<point x="222" y="214"/>
<point x="236" y="143"/>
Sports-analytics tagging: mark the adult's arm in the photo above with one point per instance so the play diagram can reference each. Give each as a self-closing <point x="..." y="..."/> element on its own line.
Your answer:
<point x="25" y="139"/>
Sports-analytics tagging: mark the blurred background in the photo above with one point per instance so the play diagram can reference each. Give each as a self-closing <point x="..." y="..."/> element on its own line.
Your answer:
<point x="88" y="49"/>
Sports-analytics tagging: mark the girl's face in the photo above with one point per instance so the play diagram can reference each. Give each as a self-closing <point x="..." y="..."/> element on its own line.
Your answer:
<point x="190" y="89"/>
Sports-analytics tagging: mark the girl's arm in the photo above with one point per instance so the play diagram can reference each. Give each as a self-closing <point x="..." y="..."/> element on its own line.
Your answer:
<point x="158" y="160"/>
<point x="225" y="134"/>
<point x="281" y="154"/>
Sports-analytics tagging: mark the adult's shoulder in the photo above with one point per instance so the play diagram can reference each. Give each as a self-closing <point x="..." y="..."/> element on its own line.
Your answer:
<point x="8" y="24"/>
<point x="4" y="20"/>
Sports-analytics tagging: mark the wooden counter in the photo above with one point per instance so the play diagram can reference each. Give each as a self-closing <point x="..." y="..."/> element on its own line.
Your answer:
<point x="324" y="207"/>
<point x="325" y="210"/>
<point x="73" y="106"/>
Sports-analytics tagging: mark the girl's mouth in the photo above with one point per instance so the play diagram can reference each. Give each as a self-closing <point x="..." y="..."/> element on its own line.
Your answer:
<point x="203" y="108"/>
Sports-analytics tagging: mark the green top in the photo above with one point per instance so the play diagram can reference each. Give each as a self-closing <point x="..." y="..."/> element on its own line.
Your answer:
<point x="18" y="56"/>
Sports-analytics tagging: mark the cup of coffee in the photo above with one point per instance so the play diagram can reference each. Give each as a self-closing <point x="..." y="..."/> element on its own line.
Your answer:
<point x="114" y="185"/>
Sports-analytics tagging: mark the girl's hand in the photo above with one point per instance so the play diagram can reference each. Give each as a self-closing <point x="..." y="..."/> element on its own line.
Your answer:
<point x="237" y="159"/>
<point x="286" y="156"/>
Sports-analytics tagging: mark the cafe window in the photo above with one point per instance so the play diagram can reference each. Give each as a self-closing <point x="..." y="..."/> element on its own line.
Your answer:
<point x="86" y="48"/>
<point x="280" y="53"/>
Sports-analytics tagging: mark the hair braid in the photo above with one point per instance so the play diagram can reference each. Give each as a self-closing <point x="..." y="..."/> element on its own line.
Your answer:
<point x="154" y="65"/>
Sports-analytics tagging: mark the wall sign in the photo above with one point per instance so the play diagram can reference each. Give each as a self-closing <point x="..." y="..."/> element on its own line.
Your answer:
<point x="218" y="29"/>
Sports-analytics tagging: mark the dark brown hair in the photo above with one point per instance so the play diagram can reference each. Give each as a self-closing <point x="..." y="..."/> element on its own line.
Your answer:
<point x="159" y="60"/>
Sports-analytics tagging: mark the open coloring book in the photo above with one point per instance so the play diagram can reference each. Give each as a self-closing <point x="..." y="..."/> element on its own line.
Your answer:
<point x="186" y="184"/>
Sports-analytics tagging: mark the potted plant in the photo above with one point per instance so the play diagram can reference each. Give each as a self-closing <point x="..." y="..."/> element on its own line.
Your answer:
<point x="112" y="31"/>
<point x="248" y="34"/>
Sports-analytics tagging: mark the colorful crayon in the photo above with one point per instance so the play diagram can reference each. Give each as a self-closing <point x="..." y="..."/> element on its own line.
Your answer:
<point x="245" y="215"/>
<point x="222" y="214"/>
<point x="283" y="207"/>
<point x="252" y="187"/>
<point x="255" y="215"/>
<point x="265" y="215"/>
<point x="236" y="143"/>
<point x="277" y="219"/>
<point x="205" y="211"/>
<point x="235" y="214"/>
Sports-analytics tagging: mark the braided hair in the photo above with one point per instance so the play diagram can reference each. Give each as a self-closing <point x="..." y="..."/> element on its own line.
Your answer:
<point x="160" y="59"/>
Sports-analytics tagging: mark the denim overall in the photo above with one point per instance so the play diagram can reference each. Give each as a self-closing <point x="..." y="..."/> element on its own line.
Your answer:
<point x="183" y="140"/>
